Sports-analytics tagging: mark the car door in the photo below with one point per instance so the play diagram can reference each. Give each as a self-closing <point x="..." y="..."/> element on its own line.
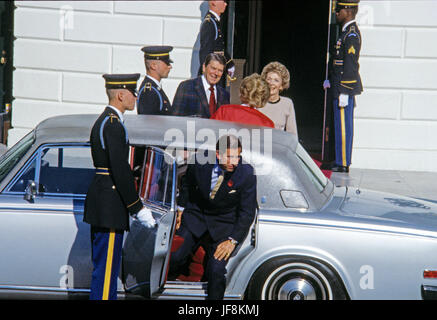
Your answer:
<point x="146" y="251"/>
<point x="44" y="243"/>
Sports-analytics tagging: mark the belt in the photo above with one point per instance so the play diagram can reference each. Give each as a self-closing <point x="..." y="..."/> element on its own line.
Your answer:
<point x="103" y="171"/>
<point x="220" y="52"/>
<point x="338" y="62"/>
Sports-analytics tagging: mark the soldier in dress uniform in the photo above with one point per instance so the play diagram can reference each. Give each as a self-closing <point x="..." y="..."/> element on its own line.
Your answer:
<point x="211" y="38"/>
<point x="152" y="98"/>
<point x="112" y="195"/>
<point x="344" y="81"/>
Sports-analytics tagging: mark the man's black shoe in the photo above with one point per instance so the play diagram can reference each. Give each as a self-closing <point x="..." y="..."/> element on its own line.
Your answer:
<point x="340" y="169"/>
<point x="326" y="166"/>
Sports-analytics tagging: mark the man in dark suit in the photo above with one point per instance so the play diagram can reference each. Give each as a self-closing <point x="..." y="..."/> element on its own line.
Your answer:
<point x="112" y="196"/>
<point x="152" y="98"/>
<point x="212" y="40"/>
<point x="219" y="201"/>
<point x="344" y="82"/>
<point x="201" y="96"/>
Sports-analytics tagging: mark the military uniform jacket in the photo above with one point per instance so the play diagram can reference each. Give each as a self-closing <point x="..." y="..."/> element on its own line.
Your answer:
<point x="152" y="99"/>
<point x="211" y="39"/>
<point x="112" y="193"/>
<point x="344" y="67"/>
<point x="230" y="213"/>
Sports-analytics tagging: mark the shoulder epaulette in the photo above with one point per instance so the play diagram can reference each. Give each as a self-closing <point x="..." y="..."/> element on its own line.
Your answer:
<point x="150" y="87"/>
<point x="112" y="117"/>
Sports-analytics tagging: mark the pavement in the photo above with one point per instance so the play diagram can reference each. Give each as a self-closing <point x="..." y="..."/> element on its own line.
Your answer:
<point x="421" y="185"/>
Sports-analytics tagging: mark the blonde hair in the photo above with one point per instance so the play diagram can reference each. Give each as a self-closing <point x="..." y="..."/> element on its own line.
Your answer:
<point x="281" y="70"/>
<point x="254" y="91"/>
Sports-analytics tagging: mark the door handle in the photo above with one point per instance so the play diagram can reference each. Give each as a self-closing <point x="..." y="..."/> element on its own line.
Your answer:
<point x="164" y="239"/>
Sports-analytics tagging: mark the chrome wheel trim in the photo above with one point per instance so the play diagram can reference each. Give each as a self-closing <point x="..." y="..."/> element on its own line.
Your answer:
<point x="296" y="281"/>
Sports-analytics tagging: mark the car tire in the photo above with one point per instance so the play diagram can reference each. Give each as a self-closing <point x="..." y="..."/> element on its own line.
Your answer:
<point x="295" y="278"/>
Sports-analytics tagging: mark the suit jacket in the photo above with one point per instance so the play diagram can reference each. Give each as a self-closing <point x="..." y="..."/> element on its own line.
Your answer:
<point x="230" y="213"/>
<point x="112" y="193"/>
<point x="190" y="99"/>
<point x="344" y="73"/>
<point x="152" y="100"/>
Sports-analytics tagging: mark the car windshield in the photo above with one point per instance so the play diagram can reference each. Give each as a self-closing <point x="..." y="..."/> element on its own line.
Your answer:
<point x="311" y="169"/>
<point x="14" y="155"/>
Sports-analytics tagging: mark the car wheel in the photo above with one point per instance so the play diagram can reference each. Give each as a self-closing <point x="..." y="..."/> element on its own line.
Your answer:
<point x="295" y="279"/>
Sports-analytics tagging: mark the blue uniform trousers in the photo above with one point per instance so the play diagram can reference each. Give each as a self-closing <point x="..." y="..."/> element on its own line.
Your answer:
<point x="106" y="247"/>
<point x="344" y="132"/>
<point x="215" y="270"/>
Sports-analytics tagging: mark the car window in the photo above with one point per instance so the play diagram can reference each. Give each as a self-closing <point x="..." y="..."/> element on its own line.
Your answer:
<point x="311" y="169"/>
<point x="59" y="170"/>
<point x="157" y="178"/>
<point x="15" y="154"/>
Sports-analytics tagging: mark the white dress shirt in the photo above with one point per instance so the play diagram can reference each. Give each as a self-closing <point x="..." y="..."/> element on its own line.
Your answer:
<point x="206" y="86"/>
<point x="346" y="24"/>
<point x="215" y="14"/>
<point x="158" y="83"/>
<point x="119" y="113"/>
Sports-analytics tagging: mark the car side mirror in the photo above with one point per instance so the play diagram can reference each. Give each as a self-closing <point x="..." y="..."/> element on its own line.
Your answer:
<point x="30" y="192"/>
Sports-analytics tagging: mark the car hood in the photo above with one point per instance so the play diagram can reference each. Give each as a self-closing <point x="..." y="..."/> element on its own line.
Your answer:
<point x="389" y="210"/>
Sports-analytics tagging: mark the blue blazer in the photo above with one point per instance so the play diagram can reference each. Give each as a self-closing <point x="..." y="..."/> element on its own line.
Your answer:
<point x="190" y="99"/>
<point x="231" y="212"/>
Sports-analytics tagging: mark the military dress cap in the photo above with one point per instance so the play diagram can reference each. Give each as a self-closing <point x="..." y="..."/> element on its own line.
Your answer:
<point x="122" y="81"/>
<point x="347" y="4"/>
<point x="158" y="53"/>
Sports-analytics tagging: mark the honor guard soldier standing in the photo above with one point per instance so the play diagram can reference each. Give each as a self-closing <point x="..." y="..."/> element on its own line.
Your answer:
<point x="112" y="194"/>
<point x="152" y="99"/>
<point x="211" y="38"/>
<point x="344" y="81"/>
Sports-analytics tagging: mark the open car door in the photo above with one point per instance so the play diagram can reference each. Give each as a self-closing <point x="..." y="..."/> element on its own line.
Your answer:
<point x="146" y="251"/>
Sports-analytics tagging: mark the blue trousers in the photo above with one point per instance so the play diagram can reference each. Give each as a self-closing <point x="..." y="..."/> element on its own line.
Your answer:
<point x="344" y="132"/>
<point x="106" y="245"/>
<point x="215" y="270"/>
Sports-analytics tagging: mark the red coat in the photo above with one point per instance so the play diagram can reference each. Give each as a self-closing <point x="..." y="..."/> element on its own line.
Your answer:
<point x="242" y="114"/>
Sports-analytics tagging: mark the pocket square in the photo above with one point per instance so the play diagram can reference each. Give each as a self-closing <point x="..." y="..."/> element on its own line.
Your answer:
<point x="232" y="191"/>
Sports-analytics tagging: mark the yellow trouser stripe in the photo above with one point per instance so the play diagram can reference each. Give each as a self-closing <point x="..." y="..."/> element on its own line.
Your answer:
<point x="343" y="137"/>
<point x="351" y="81"/>
<point x="108" y="271"/>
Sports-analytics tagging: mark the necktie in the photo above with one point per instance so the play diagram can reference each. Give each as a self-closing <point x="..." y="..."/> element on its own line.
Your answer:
<point x="217" y="185"/>
<point x="212" y="104"/>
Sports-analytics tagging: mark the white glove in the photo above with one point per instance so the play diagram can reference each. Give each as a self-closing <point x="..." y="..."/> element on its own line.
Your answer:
<point x="231" y="71"/>
<point x="343" y="100"/>
<point x="146" y="218"/>
<point x="326" y="84"/>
